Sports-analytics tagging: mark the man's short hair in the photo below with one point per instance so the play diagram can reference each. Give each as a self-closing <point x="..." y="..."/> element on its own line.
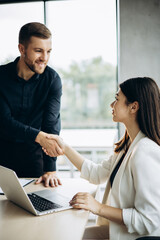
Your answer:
<point x="33" y="29"/>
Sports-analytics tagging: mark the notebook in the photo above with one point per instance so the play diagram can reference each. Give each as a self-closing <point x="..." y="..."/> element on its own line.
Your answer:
<point x="38" y="203"/>
<point x="22" y="181"/>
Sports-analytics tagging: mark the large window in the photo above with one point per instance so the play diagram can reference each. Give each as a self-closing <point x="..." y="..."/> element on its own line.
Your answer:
<point x="12" y="18"/>
<point x="84" y="54"/>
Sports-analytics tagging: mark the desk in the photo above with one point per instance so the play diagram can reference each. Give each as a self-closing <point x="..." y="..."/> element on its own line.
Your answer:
<point x="18" y="224"/>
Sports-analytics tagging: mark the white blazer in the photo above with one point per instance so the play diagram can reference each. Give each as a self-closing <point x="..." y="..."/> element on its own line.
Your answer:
<point x="135" y="189"/>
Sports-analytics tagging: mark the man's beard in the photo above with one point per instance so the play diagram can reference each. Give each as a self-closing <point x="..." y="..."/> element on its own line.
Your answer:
<point x="31" y="66"/>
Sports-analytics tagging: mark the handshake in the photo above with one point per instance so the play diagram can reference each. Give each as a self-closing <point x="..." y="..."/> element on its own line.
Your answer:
<point x="51" y="144"/>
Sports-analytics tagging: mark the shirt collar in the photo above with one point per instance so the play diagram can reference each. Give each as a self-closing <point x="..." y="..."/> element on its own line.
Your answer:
<point x="33" y="78"/>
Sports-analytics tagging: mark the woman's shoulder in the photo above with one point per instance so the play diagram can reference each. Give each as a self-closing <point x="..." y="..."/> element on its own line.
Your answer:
<point x="145" y="158"/>
<point x="147" y="144"/>
<point x="146" y="149"/>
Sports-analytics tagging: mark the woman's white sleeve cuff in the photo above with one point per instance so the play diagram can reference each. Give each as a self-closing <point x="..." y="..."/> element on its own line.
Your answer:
<point x="85" y="169"/>
<point x="127" y="217"/>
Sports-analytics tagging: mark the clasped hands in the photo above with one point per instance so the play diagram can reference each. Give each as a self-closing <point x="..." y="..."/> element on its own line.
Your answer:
<point x="50" y="143"/>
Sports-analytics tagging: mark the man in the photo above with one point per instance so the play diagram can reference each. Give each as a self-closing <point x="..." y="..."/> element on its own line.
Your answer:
<point x="30" y="93"/>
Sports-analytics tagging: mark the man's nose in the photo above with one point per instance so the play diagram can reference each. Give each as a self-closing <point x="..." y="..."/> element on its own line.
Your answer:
<point x="44" y="56"/>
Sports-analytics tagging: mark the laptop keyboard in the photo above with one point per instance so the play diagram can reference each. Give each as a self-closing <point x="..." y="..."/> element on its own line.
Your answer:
<point x="42" y="204"/>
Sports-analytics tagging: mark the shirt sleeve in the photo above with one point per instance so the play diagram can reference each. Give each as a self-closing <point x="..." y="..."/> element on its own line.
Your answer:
<point x="51" y="119"/>
<point x="144" y="218"/>
<point x="13" y="129"/>
<point x="96" y="173"/>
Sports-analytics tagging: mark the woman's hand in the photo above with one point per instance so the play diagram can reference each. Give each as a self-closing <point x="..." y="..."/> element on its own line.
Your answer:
<point x="58" y="139"/>
<point x="86" y="201"/>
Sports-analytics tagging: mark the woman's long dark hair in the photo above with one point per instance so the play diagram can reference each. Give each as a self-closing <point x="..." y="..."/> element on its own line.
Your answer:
<point x="146" y="92"/>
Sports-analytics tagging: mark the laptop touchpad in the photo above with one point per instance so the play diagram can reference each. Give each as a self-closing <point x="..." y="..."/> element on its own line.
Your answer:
<point x="54" y="197"/>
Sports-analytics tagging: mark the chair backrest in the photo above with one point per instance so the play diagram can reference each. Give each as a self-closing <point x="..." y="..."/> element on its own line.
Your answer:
<point x="148" y="238"/>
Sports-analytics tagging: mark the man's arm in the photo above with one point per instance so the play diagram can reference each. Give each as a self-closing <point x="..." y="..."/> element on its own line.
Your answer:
<point x="16" y="131"/>
<point x="51" y="124"/>
<point x="51" y="119"/>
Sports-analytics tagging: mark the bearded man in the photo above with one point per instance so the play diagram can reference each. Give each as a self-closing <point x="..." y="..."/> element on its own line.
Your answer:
<point x="30" y="93"/>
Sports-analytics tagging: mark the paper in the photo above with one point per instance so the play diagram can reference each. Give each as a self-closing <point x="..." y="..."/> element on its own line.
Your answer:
<point x="22" y="181"/>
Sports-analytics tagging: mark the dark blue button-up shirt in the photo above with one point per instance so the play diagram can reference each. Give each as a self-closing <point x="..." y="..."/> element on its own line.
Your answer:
<point x="26" y="107"/>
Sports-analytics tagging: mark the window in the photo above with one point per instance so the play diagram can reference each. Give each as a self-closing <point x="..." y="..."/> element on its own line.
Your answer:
<point x="84" y="54"/>
<point x="12" y="18"/>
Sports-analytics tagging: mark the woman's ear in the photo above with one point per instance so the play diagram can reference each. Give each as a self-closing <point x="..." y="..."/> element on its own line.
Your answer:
<point x="134" y="107"/>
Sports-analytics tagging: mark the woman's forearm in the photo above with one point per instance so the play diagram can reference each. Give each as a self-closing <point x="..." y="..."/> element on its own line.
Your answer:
<point x="111" y="213"/>
<point x="76" y="158"/>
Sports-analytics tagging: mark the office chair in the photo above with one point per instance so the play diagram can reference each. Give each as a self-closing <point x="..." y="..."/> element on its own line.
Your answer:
<point x="148" y="238"/>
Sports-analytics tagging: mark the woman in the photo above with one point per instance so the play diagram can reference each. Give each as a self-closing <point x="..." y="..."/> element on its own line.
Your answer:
<point x="131" y="202"/>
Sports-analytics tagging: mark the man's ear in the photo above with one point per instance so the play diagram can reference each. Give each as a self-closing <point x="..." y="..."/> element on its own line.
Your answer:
<point x="134" y="107"/>
<point x="21" y="48"/>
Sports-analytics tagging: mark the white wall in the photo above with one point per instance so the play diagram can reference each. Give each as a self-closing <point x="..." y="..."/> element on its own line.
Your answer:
<point x="139" y="39"/>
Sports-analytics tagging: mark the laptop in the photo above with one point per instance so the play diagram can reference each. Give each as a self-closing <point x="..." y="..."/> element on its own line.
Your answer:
<point x="38" y="203"/>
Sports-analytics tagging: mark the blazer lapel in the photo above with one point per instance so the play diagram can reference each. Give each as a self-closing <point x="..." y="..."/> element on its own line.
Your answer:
<point x="108" y="186"/>
<point x="121" y="170"/>
<point x="122" y="167"/>
<point x="101" y="220"/>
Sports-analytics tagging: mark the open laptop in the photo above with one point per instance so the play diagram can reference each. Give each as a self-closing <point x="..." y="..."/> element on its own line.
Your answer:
<point x="38" y="203"/>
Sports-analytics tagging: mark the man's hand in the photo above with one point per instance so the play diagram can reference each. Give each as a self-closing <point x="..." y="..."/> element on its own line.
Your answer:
<point x="58" y="140"/>
<point x="51" y="146"/>
<point x="49" y="179"/>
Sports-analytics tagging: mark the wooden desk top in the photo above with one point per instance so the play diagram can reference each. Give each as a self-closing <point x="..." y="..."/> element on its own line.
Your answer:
<point x="18" y="224"/>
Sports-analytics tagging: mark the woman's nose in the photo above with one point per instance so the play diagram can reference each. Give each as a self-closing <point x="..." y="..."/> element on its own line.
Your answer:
<point x="111" y="105"/>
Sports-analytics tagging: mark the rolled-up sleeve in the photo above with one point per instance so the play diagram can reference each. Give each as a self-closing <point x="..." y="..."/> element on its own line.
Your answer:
<point x="96" y="173"/>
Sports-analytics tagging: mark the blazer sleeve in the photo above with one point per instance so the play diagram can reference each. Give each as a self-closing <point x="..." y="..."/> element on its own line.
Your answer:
<point x="96" y="173"/>
<point x="144" y="218"/>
